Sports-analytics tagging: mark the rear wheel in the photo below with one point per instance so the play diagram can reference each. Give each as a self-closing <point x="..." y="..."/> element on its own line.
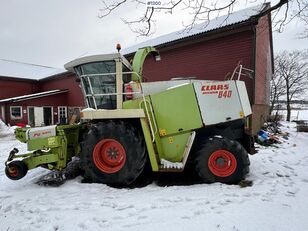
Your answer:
<point x="113" y="153"/>
<point x="222" y="160"/>
<point x="16" y="170"/>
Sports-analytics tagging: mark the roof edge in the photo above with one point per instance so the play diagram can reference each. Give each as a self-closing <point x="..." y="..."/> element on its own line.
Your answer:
<point x="33" y="96"/>
<point x="204" y="34"/>
<point x="11" y="78"/>
<point x="253" y="18"/>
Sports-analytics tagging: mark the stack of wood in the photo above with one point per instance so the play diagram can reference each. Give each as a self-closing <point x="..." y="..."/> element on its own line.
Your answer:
<point x="302" y="126"/>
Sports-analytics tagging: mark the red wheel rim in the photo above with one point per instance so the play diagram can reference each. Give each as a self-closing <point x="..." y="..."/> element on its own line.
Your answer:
<point x="109" y="156"/>
<point x="222" y="163"/>
<point x="13" y="171"/>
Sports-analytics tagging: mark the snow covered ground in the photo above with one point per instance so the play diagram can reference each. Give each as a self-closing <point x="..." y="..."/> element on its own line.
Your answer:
<point x="277" y="199"/>
<point x="295" y="114"/>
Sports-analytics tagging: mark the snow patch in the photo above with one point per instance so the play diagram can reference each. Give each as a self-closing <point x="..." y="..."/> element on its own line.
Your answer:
<point x="218" y="136"/>
<point x="6" y="130"/>
<point x="277" y="201"/>
<point x="88" y="109"/>
<point x="17" y="69"/>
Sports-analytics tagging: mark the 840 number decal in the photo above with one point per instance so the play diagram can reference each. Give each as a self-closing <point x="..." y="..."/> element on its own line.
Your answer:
<point x="224" y="94"/>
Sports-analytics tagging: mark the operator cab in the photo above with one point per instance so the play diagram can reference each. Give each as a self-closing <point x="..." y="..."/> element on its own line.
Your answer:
<point x="102" y="78"/>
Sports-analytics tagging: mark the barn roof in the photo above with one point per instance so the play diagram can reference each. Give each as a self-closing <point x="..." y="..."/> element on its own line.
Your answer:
<point x="33" y="96"/>
<point x="233" y="18"/>
<point x="15" y="69"/>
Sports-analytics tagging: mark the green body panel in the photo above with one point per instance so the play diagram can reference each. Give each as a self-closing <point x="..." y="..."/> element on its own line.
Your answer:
<point x="134" y="104"/>
<point x="174" y="145"/>
<point x="20" y="134"/>
<point x="150" y="147"/>
<point x="176" y="110"/>
<point x="44" y="143"/>
<point x="173" y="120"/>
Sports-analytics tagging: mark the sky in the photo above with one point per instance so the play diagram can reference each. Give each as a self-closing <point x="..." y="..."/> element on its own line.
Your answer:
<point x="53" y="32"/>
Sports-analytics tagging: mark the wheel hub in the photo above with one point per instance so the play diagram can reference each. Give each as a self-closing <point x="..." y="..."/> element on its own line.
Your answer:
<point x="109" y="156"/>
<point x="222" y="163"/>
<point x="112" y="153"/>
<point x="13" y="171"/>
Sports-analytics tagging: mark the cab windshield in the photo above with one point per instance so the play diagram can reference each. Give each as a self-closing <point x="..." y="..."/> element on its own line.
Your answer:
<point x="98" y="80"/>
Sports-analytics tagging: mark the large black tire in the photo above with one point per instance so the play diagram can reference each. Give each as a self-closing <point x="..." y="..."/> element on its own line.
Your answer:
<point x="222" y="160"/>
<point x="16" y="170"/>
<point x="113" y="153"/>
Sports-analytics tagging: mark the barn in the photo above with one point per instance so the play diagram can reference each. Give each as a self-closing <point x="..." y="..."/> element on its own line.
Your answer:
<point x="209" y="51"/>
<point x="37" y="95"/>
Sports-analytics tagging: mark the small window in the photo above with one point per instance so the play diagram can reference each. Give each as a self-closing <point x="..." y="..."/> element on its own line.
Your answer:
<point x="16" y="112"/>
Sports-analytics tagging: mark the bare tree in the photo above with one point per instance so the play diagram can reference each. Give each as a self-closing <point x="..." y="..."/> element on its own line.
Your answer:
<point x="277" y="90"/>
<point x="277" y="87"/>
<point x="203" y="10"/>
<point x="292" y="68"/>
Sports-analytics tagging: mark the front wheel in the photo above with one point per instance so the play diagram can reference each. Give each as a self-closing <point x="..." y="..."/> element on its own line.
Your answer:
<point x="113" y="152"/>
<point x="16" y="170"/>
<point x="222" y="160"/>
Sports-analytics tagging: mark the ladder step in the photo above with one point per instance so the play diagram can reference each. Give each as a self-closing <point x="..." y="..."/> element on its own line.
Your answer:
<point x="165" y="164"/>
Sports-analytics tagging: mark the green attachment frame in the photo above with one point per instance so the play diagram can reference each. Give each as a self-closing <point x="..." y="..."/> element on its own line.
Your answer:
<point x="139" y="59"/>
<point x="20" y="134"/>
<point x="51" y="152"/>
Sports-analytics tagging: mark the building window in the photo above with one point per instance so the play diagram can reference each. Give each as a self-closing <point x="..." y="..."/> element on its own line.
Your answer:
<point x="62" y="114"/>
<point x="16" y="112"/>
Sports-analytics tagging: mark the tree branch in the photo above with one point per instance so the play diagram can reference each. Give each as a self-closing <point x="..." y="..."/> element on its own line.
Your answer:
<point x="201" y="11"/>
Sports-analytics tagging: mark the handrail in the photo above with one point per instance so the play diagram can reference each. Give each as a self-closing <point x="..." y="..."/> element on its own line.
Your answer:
<point x="153" y="132"/>
<point x="111" y="73"/>
<point x="147" y="111"/>
<point x="93" y="75"/>
<point x="93" y="96"/>
<point x="154" y="122"/>
<point x="144" y="100"/>
<point x="239" y="73"/>
<point x="106" y="94"/>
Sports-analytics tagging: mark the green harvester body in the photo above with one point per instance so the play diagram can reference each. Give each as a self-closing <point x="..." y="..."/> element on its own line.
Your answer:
<point x="168" y="114"/>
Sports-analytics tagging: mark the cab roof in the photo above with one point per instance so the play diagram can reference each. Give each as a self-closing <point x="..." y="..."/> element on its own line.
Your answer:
<point x="96" y="58"/>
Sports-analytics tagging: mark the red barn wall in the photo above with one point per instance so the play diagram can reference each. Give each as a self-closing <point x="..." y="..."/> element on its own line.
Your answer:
<point x="263" y="61"/>
<point x="209" y="60"/>
<point x="74" y="97"/>
<point x="53" y="101"/>
<point x="11" y="87"/>
<point x="263" y="73"/>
